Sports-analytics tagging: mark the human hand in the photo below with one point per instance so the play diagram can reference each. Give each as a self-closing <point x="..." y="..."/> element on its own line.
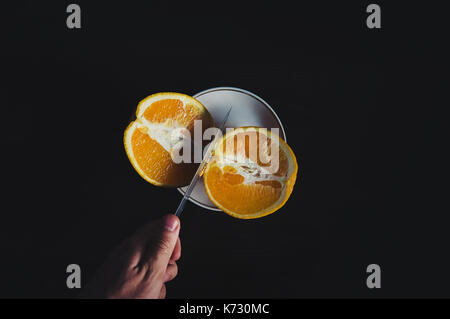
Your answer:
<point x="142" y="264"/>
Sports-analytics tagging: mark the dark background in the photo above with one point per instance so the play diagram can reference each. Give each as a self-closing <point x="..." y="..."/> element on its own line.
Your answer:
<point x="69" y="193"/>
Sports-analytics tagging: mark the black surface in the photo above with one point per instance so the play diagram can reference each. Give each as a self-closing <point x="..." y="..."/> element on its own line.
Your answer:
<point x="69" y="193"/>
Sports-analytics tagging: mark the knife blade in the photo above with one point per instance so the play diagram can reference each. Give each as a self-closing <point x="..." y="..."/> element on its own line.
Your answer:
<point x="201" y="167"/>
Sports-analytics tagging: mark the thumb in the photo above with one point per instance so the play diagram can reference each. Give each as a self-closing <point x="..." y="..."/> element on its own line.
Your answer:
<point x="168" y="240"/>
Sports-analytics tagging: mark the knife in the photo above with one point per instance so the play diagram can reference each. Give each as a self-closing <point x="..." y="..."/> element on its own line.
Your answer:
<point x="201" y="167"/>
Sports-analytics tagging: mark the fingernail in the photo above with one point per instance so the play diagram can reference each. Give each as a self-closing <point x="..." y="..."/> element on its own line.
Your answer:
<point x="171" y="223"/>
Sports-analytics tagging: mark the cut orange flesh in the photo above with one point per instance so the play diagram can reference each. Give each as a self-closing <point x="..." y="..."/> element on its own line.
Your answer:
<point x="252" y="173"/>
<point x="149" y="140"/>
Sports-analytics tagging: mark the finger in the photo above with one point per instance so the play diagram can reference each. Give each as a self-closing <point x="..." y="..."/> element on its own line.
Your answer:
<point x="171" y="272"/>
<point x="138" y="242"/>
<point x="166" y="242"/>
<point x="162" y="293"/>
<point x="176" y="251"/>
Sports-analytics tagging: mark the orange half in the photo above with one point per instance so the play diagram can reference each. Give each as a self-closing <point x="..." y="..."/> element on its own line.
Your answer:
<point x="248" y="178"/>
<point x="149" y="140"/>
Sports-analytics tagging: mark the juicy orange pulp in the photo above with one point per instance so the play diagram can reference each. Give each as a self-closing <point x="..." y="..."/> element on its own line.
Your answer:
<point x="148" y="140"/>
<point x="240" y="183"/>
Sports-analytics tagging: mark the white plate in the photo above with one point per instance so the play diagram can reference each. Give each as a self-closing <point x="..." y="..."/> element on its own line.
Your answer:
<point x="248" y="110"/>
